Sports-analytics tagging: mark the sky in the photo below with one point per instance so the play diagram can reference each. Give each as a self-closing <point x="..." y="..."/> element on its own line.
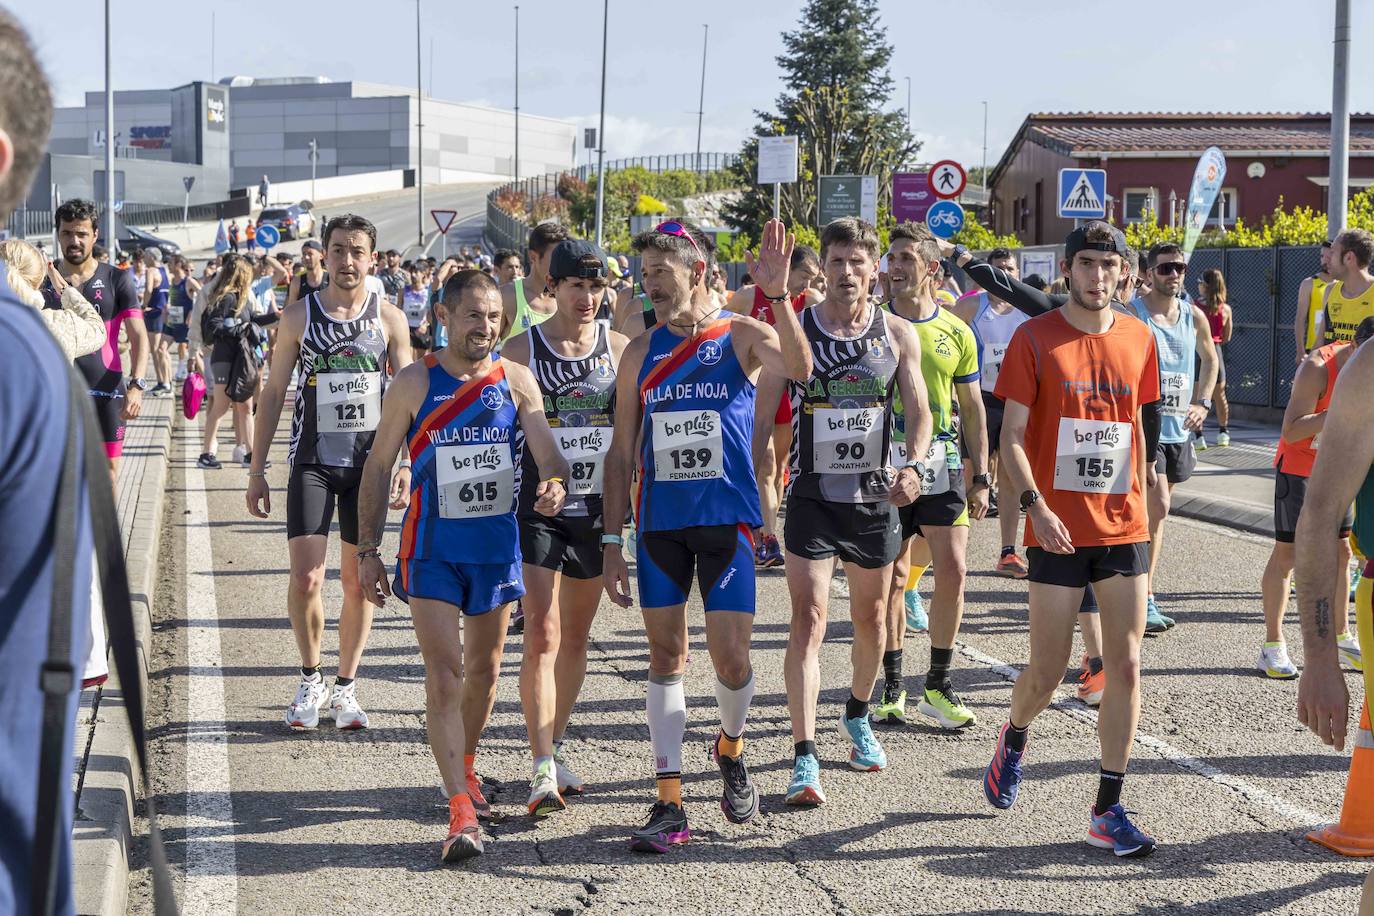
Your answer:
<point x="1020" y="56"/>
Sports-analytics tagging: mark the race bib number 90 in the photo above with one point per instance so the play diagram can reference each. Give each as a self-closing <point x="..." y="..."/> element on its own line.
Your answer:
<point x="847" y="440"/>
<point x="475" y="481"/>
<point x="688" y="445"/>
<point x="585" y="449"/>
<point x="1093" y="456"/>
<point x="348" y="402"/>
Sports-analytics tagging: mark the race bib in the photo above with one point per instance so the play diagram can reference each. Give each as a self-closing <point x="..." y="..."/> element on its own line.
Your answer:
<point x="1093" y="456"/>
<point x="1173" y="395"/>
<point x="176" y="314"/>
<point x="475" y="481"/>
<point x="993" y="354"/>
<point x="846" y="440"/>
<point x="348" y="402"/>
<point x="688" y="445"/>
<point x="584" y="448"/>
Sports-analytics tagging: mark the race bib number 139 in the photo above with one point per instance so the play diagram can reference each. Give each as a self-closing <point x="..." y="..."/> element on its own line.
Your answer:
<point x="1093" y="456"/>
<point x="688" y="445"/>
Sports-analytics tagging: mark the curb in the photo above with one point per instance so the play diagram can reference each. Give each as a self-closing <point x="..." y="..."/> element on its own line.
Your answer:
<point x="102" y="831"/>
<point x="1229" y="513"/>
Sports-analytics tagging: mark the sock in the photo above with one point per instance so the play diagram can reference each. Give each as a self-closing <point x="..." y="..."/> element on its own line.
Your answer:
<point x="1222" y="429"/>
<point x="558" y="746"/>
<point x="670" y="788"/>
<point x="1008" y="551"/>
<point x="1095" y="665"/>
<point x="803" y="748"/>
<point x="892" y="675"/>
<point x="341" y="681"/>
<point x="938" y="676"/>
<point x="667" y="708"/>
<point x="541" y="762"/>
<point x="855" y="708"/>
<point x="914" y="577"/>
<point x="733" y="703"/>
<point x="1016" y="737"/>
<point x="1108" y="790"/>
<point x="311" y="672"/>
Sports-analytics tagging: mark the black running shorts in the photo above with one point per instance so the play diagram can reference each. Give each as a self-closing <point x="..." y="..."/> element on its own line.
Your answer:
<point x="865" y="534"/>
<point x="1176" y="460"/>
<point x="311" y="495"/>
<point x="571" y="546"/>
<point x="1290" y="491"/>
<point x="1087" y="564"/>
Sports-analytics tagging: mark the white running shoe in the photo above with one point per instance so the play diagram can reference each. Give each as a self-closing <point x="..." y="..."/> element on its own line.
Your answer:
<point x="569" y="783"/>
<point x="312" y="698"/>
<point x="1348" y="645"/>
<point x="544" y="797"/>
<point x="239" y="453"/>
<point x="1274" y="662"/>
<point x="344" y="708"/>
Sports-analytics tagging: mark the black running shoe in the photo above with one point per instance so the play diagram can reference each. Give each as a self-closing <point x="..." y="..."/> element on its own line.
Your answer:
<point x="666" y="827"/>
<point x="208" y="461"/>
<point x="739" y="800"/>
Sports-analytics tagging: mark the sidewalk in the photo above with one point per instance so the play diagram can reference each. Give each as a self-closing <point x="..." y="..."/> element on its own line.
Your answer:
<point x="1233" y="486"/>
<point x="105" y="773"/>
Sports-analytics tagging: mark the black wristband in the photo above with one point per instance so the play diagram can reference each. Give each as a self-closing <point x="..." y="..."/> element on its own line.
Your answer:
<point x="782" y="298"/>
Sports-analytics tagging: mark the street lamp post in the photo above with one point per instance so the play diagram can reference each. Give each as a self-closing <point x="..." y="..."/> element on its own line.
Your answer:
<point x="701" y="102"/>
<point x="517" y="93"/>
<point x="110" y="217"/>
<point x="1340" y="122"/>
<point x="908" y="104"/>
<point x="601" y="136"/>
<point x="984" y="181"/>
<point x="419" y="135"/>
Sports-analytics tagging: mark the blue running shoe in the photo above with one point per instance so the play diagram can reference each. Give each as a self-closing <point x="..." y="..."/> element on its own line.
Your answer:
<point x="1113" y="830"/>
<point x="866" y="754"/>
<point x="1155" y="622"/>
<point x="1002" y="778"/>
<point x="916" y="620"/>
<point x="805" y="788"/>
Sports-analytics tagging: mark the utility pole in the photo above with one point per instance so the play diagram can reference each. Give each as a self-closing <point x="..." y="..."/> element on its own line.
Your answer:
<point x="419" y="135"/>
<point x="111" y="218"/>
<point x="314" y="158"/>
<point x="212" y="46"/>
<point x="601" y="135"/>
<point x="984" y="182"/>
<point x="908" y="104"/>
<point x="701" y="102"/>
<point x="1340" y="123"/>
<point x="517" y="93"/>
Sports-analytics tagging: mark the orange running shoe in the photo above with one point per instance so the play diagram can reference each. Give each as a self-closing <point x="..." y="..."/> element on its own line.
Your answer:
<point x="1090" y="686"/>
<point x="1012" y="566"/>
<point x="479" y="801"/>
<point x="464" y="838"/>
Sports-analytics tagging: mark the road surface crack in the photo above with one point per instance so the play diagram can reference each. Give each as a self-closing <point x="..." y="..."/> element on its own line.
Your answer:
<point x="838" y="906"/>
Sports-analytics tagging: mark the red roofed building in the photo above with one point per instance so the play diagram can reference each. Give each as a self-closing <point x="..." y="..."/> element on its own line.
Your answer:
<point x="1149" y="155"/>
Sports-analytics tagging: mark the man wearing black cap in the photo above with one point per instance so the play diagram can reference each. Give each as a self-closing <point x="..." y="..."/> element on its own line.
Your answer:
<point x="312" y="276"/>
<point x="1074" y="447"/>
<point x="393" y="278"/>
<point x="573" y="357"/>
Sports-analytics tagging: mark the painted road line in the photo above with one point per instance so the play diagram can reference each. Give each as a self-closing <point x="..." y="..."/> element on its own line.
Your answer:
<point x="211" y="884"/>
<point x="1180" y="759"/>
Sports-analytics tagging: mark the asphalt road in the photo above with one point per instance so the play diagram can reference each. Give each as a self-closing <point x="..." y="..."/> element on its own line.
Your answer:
<point x="261" y="820"/>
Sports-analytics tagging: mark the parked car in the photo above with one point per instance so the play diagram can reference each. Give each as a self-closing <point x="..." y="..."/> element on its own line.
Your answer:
<point x="131" y="237"/>
<point x="293" y="222"/>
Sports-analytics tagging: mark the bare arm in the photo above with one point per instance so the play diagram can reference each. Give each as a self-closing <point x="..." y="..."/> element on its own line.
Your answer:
<point x="920" y="425"/>
<point x="742" y="300"/>
<point x="771" y="269"/>
<point x="284" y="357"/>
<point x="553" y="467"/>
<point x="770" y="390"/>
<point x="1226" y="328"/>
<point x="1300" y="418"/>
<point x="974" y="417"/>
<point x="1320" y="337"/>
<point x="1208" y="368"/>
<point x="619" y="466"/>
<point x="279" y="273"/>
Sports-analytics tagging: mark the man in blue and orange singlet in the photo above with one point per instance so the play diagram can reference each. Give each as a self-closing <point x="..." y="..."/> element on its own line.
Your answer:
<point x="686" y="390"/>
<point x="462" y="416"/>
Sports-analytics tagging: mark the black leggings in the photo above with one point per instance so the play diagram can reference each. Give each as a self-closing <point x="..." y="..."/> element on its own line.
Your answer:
<point x="310" y="497"/>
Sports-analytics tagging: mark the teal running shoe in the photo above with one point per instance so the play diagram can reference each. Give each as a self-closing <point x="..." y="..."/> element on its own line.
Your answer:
<point x="805" y="788"/>
<point x="916" y="619"/>
<point x="866" y="754"/>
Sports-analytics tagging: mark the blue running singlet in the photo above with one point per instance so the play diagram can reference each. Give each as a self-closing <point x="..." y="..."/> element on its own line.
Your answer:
<point x="1177" y="373"/>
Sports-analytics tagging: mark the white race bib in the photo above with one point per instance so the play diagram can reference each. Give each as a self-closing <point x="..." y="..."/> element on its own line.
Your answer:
<point x="475" y="481"/>
<point x="1173" y="395"/>
<point x="688" y="445"/>
<point x="1093" y="456"/>
<point x="937" y="462"/>
<point x="348" y="402"/>
<point x="176" y="314"/>
<point x="847" y="440"/>
<point x="993" y="354"/>
<point x="585" y="449"/>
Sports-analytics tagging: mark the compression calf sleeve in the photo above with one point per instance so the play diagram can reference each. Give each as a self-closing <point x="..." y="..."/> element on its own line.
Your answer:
<point x="667" y="708"/>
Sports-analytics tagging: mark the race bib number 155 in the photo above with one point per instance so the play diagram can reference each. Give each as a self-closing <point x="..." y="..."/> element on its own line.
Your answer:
<point x="1093" y="456"/>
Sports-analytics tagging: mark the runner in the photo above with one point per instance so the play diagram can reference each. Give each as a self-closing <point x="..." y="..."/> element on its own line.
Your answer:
<point x="687" y="389"/>
<point x="935" y="526"/>
<point x="1349" y="298"/>
<point x="181" y="299"/>
<point x="1212" y="299"/>
<point x="111" y="291"/>
<point x="573" y="357"/>
<point x="843" y="496"/>
<point x="227" y="324"/>
<point x="394" y="280"/>
<point x="993" y="321"/>
<point x="636" y="313"/>
<point x="772" y="476"/>
<point x="508" y="266"/>
<point x="1303" y="422"/>
<point x="1311" y="293"/>
<point x="312" y="277"/>
<point x="342" y="339"/>
<point x="416" y="305"/>
<point x="154" y="300"/>
<point x="526" y="299"/>
<point x="1182" y="335"/>
<point x="461" y="415"/>
<point x="1074" y="381"/>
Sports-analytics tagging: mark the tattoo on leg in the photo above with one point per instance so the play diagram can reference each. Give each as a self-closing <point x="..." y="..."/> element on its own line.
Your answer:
<point x="1323" y="617"/>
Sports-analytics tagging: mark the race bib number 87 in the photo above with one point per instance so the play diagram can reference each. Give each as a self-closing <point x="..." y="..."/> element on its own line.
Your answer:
<point x="688" y="445"/>
<point x="475" y="481"/>
<point x="1093" y="456"/>
<point x="585" y="449"/>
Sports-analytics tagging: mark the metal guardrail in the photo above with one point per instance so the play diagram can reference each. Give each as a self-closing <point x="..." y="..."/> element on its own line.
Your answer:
<point x="25" y="223"/>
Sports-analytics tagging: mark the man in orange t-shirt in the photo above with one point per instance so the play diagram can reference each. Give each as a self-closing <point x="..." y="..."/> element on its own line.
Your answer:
<point x="1074" y="446"/>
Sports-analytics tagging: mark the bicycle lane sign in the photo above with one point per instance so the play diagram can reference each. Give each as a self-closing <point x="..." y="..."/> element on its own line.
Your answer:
<point x="945" y="218"/>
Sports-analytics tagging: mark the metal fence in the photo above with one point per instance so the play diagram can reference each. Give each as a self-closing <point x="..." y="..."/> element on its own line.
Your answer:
<point x="25" y="223"/>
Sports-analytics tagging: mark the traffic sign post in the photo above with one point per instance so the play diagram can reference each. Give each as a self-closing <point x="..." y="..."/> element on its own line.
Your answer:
<point x="1083" y="193"/>
<point x="777" y="165"/>
<point x="188" y="181"/>
<point x="947" y="179"/>
<point x="267" y="236"/>
<point x="846" y="195"/>
<point x="443" y="219"/>
<point x="945" y="218"/>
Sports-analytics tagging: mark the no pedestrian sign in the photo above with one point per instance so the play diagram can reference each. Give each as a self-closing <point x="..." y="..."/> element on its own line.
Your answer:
<point x="947" y="178"/>
<point x="443" y="218"/>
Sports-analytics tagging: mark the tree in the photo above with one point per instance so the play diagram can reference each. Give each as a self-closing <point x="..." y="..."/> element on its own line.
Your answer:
<point x="835" y="68"/>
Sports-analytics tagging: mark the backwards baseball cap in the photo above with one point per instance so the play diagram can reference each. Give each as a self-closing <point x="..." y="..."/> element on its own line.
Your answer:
<point x="573" y="257"/>
<point x="314" y="245"/>
<point x="1078" y="239"/>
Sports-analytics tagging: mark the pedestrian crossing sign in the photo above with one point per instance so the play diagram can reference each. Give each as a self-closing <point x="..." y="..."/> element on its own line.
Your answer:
<point x="1083" y="193"/>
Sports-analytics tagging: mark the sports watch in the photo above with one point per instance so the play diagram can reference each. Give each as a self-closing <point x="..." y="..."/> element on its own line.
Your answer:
<point x="138" y="383"/>
<point x="1028" y="499"/>
<point x="984" y="479"/>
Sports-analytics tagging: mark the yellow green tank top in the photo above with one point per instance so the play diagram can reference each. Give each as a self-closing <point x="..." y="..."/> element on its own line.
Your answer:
<point x="1314" y="310"/>
<point x="525" y="317"/>
<point x="1343" y="315"/>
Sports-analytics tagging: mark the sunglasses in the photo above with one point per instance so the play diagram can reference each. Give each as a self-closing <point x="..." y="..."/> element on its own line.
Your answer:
<point x="1171" y="267"/>
<point x="672" y="227"/>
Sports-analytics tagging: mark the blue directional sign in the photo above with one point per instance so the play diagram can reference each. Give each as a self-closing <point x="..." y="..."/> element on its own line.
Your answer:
<point x="267" y="236"/>
<point x="1083" y="193"/>
<point x="945" y="218"/>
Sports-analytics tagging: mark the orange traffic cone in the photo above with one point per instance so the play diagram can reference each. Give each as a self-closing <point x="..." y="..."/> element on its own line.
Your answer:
<point x="1354" y="835"/>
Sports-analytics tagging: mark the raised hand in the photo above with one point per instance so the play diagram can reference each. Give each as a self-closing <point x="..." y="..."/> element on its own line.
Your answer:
<point x="773" y="264"/>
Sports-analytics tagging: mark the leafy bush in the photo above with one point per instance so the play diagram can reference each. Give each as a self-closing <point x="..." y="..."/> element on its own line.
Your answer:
<point x="978" y="237"/>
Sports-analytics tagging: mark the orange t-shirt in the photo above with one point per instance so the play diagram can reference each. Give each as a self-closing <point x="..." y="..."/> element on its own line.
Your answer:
<point x="1297" y="458"/>
<point x="1083" y="391"/>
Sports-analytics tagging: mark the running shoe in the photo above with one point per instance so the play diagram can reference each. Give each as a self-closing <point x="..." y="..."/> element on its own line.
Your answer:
<point x="517" y="619"/>
<point x="569" y="783"/>
<point x="240" y="455"/>
<point x="739" y="800"/>
<point x="1012" y="566"/>
<point x="769" y="552"/>
<point x="544" y="796"/>
<point x="479" y="801"/>
<point x="1274" y="662"/>
<point x="1090" y="687"/>
<point x="160" y="390"/>
<point x="312" y="698"/>
<point x="805" y="788"/>
<point x="1348" y="645"/>
<point x="208" y="462"/>
<point x="943" y="705"/>
<point x="464" y="838"/>
<point x="1155" y="622"/>
<point x="1223" y="440"/>
<point x="891" y="709"/>
<point x="344" y="708"/>
<point x="1002" y="778"/>
<point x="992" y="505"/>
<point x="1354" y="581"/>
<point x="1200" y="442"/>
<point x="666" y="827"/>
<point x="1113" y="830"/>
<point x="866" y="754"/>
<point x="916" y="619"/>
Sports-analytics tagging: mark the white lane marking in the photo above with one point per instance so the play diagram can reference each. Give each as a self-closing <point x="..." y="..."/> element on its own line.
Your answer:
<point x="211" y="884"/>
<point x="1178" y="758"/>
